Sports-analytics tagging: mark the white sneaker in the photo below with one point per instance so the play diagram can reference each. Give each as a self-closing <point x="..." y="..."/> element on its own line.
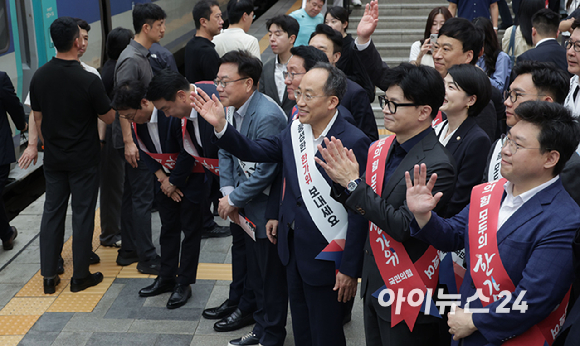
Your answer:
<point x="356" y="3"/>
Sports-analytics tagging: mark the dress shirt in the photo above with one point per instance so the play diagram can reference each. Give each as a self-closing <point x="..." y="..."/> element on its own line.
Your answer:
<point x="442" y="130"/>
<point x="512" y="203"/>
<point x="154" y="131"/>
<point x="279" y="70"/>
<point x="399" y="153"/>
<point x="544" y="40"/>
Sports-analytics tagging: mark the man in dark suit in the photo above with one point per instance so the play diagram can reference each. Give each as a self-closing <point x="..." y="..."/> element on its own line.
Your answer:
<point x="413" y="97"/>
<point x="517" y="234"/>
<point x="329" y="41"/>
<point x="318" y="289"/>
<point x="9" y="103"/>
<point x="282" y="30"/>
<point x="246" y="187"/>
<point x="544" y="35"/>
<point x="179" y="187"/>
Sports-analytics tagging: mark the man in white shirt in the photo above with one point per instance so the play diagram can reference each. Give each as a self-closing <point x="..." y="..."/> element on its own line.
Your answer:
<point x="241" y="16"/>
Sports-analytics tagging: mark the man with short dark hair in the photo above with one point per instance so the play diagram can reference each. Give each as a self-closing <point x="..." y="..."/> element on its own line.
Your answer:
<point x="308" y="18"/>
<point x="329" y="41"/>
<point x="517" y="234"/>
<point x="133" y="64"/>
<point x="282" y="32"/>
<point x="544" y="35"/>
<point x="319" y="283"/>
<point x="412" y="99"/>
<point x="66" y="101"/>
<point x="241" y="16"/>
<point x="201" y="58"/>
<point x="573" y="58"/>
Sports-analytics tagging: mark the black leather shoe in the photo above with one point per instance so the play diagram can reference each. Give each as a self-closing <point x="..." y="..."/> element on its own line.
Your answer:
<point x="220" y="312"/>
<point x="150" y="266"/>
<point x="94" y="258"/>
<point x="216" y="232"/>
<point x="8" y="244"/>
<point x="179" y="297"/>
<point x="77" y="285"/>
<point x="50" y="284"/>
<point x="248" y="339"/>
<point x="125" y="258"/>
<point x="60" y="265"/>
<point x="234" y="321"/>
<point x="160" y="285"/>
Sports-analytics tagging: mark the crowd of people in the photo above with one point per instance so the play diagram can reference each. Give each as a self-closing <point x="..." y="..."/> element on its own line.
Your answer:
<point x="462" y="224"/>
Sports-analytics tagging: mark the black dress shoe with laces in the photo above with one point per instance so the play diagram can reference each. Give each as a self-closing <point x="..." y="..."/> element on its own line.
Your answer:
<point x="50" y="284"/>
<point x="221" y="311"/>
<point x="160" y="285"/>
<point x="248" y="339"/>
<point x="8" y="244"/>
<point x="234" y="321"/>
<point x="94" y="258"/>
<point x="77" y="285"/>
<point x="216" y="232"/>
<point x="179" y="297"/>
<point x="151" y="266"/>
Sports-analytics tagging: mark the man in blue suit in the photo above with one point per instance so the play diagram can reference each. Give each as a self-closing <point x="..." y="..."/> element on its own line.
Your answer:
<point x="544" y="35"/>
<point x="246" y="188"/>
<point x="528" y="228"/>
<point x="10" y="103"/>
<point x="318" y="289"/>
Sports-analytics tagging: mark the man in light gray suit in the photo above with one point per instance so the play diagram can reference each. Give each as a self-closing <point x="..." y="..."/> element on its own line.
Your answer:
<point x="246" y="189"/>
<point x="282" y="32"/>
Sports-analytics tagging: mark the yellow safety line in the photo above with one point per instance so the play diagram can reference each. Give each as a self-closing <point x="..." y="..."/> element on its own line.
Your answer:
<point x="26" y="307"/>
<point x="265" y="42"/>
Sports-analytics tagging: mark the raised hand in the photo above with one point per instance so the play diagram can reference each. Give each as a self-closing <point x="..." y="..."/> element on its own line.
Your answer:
<point x="339" y="163"/>
<point x="368" y="23"/>
<point x="420" y="198"/>
<point x="211" y="109"/>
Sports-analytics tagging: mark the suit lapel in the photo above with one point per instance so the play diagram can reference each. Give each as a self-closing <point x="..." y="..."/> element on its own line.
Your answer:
<point x="162" y="129"/>
<point x="248" y="117"/>
<point x="455" y="141"/>
<point x="336" y="130"/>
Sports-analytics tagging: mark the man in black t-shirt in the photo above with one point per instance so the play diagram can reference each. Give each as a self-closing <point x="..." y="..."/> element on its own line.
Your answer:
<point x="66" y="101"/>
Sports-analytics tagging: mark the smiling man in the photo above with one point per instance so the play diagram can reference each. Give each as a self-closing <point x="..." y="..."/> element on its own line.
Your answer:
<point x="309" y="220"/>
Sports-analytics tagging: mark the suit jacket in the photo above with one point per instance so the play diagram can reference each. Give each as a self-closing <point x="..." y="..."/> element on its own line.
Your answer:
<point x="263" y="118"/>
<point x="9" y="102"/>
<point x="268" y="86"/>
<point x="376" y="68"/>
<point x="535" y="247"/>
<point x="307" y="239"/>
<point x="354" y="100"/>
<point x="469" y="146"/>
<point x="547" y="51"/>
<point x="389" y="211"/>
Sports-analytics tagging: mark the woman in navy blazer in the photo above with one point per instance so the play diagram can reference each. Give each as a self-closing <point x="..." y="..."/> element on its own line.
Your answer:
<point x="467" y="92"/>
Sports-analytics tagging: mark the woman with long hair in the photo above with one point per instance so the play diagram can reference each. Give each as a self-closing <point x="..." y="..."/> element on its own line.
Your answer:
<point x="467" y="92"/>
<point x="494" y="62"/>
<point x="522" y="38"/>
<point x="422" y="50"/>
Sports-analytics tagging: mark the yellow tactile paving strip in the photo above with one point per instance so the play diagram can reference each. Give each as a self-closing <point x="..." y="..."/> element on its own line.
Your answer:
<point x="22" y="311"/>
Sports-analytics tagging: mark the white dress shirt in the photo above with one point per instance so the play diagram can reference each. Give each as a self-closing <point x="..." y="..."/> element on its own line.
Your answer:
<point x="234" y="39"/>
<point x="279" y="70"/>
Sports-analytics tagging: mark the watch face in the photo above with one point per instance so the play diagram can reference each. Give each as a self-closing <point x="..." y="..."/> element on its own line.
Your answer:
<point x="351" y="186"/>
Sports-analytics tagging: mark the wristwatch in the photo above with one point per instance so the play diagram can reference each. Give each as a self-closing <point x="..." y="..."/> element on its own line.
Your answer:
<point x="352" y="186"/>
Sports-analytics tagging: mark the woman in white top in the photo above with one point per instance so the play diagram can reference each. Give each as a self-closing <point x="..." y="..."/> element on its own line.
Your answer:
<point x="422" y="50"/>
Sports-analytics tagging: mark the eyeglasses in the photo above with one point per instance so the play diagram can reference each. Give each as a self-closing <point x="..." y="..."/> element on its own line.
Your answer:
<point x="307" y="97"/>
<point x="223" y="84"/>
<point x="392" y="105"/>
<point x="512" y="145"/>
<point x="291" y="75"/>
<point x="576" y="44"/>
<point x="128" y="116"/>
<point x="513" y="95"/>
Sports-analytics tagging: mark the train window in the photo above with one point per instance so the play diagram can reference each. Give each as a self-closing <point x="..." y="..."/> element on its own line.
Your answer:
<point x="4" y="32"/>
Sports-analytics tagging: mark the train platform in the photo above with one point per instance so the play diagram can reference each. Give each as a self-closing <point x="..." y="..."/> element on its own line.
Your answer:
<point x="112" y="313"/>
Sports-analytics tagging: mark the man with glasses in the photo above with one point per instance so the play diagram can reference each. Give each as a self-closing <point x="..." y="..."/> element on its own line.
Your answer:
<point x="412" y="99"/>
<point x="319" y="242"/>
<point x="535" y="81"/>
<point x="517" y="234"/>
<point x="573" y="58"/>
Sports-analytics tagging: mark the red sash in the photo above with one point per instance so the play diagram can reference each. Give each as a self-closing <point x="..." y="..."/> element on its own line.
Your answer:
<point x="166" y="160"/>
<point x="211" y="164"/>
<point x="396" y="268"/>
<point x="485" y="261"/>
<point x="438" y="119"/>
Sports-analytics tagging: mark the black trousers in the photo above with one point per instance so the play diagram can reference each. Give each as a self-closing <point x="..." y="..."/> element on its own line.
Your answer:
<point x="4" y="223"/>
<point x="316" y="312"/>
<point x="240" y="291"/>
<point x="83" y="185"/>
<point x="111" y="176"/>
<point x="267" y="278"/>
<point x="185" y="217"/>
<point x="136" y="211"/>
